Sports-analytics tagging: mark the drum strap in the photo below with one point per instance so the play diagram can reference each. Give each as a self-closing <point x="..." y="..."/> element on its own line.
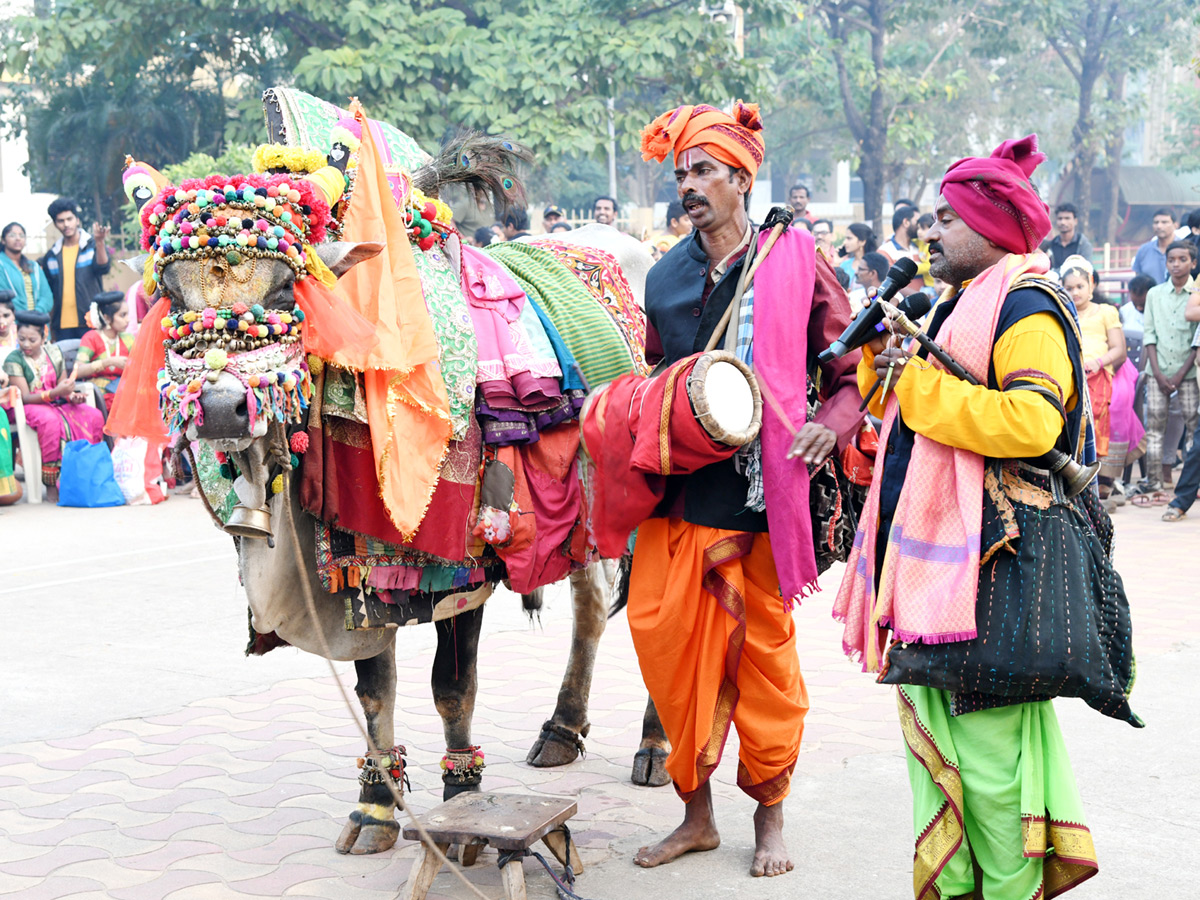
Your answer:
<point x="726" y="331"/>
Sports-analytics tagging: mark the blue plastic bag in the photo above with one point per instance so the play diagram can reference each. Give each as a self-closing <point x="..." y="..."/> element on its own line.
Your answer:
<point x="87" y="476"/>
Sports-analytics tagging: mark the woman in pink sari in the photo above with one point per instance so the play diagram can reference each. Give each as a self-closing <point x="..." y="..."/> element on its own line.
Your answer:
<point x="53" y="407"/>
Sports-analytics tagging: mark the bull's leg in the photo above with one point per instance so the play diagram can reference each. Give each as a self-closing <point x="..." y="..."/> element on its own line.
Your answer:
<point x="650" y="762"/>
<point x="561" y="740"/>
<point x="372" y="826"/>
<point x="455" y="681"/>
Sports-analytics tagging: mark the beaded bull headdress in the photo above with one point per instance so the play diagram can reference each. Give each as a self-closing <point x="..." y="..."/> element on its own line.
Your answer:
<point x="241" y="219"/>
<point x="238" y="216"/>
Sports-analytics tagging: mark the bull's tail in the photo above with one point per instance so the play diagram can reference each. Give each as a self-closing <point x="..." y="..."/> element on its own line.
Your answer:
<point x="620" y="589"/>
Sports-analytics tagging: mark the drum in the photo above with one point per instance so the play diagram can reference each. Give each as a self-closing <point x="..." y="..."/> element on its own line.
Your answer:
<point x="722" y="391"/>
<point x="725" y="397"/>
<point x="636" y="431"/>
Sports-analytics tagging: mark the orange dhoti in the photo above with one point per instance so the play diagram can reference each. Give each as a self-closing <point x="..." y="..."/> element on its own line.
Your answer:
<point x="717" y="648"/>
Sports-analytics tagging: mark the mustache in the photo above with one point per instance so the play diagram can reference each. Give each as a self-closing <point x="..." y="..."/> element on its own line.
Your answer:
<point x="936" y="246"/>
<point x="692" y="198"/>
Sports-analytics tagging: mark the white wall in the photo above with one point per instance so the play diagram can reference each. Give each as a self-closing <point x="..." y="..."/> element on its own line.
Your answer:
<point x="18" y="203"/>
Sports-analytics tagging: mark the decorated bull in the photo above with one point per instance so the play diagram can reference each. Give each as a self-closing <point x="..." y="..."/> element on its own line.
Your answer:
<point x="384" y="419"/>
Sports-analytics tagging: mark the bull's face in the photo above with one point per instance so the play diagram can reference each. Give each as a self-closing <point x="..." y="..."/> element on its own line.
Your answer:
<point x="235" y="360"/>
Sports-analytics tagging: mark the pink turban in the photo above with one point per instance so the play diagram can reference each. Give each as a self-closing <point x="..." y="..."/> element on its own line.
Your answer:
<point x="994" y="197"/>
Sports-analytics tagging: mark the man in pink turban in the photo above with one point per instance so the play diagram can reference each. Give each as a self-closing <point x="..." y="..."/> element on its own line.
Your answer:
<point x="964" y="542"/>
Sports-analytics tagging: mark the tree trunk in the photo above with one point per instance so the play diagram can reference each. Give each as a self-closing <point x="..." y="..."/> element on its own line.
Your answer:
<point x="1109" y="214"/>
<point x="870" y="170"/>
<point x="870" y="130"/>
<point x="1083" y="137"/>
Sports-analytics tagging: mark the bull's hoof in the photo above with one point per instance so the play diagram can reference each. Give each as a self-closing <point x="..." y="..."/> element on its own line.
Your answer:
<point x="557" y="745"/>
<point x="365" y="834"/>
<point x="468" y="853"/>
<point x="450" y="790"/>
<point x="650" y="767"/>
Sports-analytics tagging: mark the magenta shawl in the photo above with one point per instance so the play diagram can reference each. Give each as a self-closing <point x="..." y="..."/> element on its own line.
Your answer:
<point x="783" y="296"/>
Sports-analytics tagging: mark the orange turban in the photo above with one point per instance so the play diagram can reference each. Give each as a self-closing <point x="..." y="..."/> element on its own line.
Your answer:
<point x="735" y="140"/>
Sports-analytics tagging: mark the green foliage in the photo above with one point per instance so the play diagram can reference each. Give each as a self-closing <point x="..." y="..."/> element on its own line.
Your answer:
<point x="1183" y="142"/>
<point x="235" y="160"/>
<point x="188" y="76"/>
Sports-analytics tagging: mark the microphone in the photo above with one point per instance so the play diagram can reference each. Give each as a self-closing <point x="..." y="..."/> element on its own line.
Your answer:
<point x="865" y="327"/>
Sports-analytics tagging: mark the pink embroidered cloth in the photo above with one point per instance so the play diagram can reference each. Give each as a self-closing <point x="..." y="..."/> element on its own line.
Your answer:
<point x="930" y="577"/>
<point x="511" y="372"/>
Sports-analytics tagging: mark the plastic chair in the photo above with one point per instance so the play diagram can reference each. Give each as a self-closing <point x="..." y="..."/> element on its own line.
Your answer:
<point x="69" y="348"/>
<point x="31" y="450"/>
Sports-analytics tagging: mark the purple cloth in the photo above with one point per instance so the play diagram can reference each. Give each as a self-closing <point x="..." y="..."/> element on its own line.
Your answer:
<point x="1123" y="423"/>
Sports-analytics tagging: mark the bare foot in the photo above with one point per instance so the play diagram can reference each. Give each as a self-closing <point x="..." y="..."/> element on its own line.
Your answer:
<point x="770" y="852"/>
<point x="698" y="832"/>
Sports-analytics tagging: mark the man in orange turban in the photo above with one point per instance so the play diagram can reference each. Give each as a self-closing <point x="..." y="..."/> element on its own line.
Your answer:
<point x="734" y="139"/>
<point x="709" y="602"/>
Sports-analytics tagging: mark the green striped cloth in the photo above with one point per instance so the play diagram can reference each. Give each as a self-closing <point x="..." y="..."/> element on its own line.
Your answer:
<point x="588" y="330"/>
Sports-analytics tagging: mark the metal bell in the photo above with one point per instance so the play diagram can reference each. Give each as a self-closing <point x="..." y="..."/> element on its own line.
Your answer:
<point x="250" y="523"/>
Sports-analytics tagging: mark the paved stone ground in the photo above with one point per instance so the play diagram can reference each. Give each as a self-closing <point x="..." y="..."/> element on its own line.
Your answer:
<point x="142" y="756"/>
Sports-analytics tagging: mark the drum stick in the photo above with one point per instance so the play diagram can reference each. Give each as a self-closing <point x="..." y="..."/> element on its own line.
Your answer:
<point x="774" y="404"/>
<point x="783" y="417"/>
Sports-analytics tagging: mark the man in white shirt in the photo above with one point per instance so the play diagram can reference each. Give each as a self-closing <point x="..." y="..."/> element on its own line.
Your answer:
<point x="901" y="245"/>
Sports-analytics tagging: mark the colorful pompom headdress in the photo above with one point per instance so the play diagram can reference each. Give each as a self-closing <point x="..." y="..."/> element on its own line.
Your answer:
<point x="236" y="216"/>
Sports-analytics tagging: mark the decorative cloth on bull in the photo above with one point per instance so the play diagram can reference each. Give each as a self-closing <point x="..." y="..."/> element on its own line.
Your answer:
<point x="518" y="371"/>
<point x="734" y="139"/>
<point x="602" y="275"/>
<point x="406" y="398"/>
<point x="587" y="326"/>
<point x="994" y="196"/>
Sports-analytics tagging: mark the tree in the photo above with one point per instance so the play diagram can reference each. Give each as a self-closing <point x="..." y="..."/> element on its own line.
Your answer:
<point x="893" y="63"/>
<point x="542" y="73"/>
<point x="1100" y="42"/>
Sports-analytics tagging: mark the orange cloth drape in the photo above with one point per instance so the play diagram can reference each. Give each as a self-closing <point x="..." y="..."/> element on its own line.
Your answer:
<point x="135" y="410"/>
<point x="408" y="410"/>
<point x="717" y="649"/>
<point x="1100" y="385"/>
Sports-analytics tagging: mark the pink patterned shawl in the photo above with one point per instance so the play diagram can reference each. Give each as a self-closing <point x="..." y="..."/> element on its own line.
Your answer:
<point x="930" y="577"/>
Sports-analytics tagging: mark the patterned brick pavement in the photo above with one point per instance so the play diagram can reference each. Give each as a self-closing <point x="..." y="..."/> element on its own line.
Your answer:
<point x="241" y="794"/>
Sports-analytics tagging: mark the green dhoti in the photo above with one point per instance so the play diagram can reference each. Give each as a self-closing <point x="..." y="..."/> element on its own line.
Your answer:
<point x="992" y="789"/>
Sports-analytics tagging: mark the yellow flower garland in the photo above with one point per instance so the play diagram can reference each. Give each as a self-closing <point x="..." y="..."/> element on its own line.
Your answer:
<point x="298" y="160"/>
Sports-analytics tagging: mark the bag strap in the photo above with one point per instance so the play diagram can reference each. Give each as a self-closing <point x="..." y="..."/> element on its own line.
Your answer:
<point x="729" y="320"/>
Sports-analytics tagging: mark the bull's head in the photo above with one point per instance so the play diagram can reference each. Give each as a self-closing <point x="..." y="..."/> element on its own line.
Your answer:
<point x="227" y="254"/>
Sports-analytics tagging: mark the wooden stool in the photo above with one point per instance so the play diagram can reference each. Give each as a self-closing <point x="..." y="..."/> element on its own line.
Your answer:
<point x="501" y="821"/>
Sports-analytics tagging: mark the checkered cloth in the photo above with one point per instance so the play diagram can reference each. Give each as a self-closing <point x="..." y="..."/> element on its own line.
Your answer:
<point x="749" y="457"/>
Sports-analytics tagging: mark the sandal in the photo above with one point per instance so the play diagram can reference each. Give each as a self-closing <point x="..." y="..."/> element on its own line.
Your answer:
<point x="1153" y="498"/>
<point x="1173" y="514"/>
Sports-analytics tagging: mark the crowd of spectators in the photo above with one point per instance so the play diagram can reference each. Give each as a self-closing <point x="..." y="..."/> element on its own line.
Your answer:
<point x="64" y="340"/>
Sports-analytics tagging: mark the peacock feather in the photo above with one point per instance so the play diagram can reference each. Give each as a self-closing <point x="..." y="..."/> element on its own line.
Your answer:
<point x="483" y="164"/>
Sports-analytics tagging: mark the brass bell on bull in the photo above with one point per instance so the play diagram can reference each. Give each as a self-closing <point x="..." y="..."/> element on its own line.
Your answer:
<point x="247" y="522"/>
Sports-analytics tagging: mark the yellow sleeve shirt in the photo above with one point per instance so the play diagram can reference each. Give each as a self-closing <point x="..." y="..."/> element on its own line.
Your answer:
<point x="999" y="424"/>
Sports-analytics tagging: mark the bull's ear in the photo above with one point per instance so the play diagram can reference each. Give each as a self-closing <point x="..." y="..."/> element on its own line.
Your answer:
<point x="137" y="262"/>
<point x="341" y="256"/>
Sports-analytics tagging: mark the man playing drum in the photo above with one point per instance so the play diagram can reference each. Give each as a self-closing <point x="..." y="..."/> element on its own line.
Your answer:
<point x="710" y="604"/>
